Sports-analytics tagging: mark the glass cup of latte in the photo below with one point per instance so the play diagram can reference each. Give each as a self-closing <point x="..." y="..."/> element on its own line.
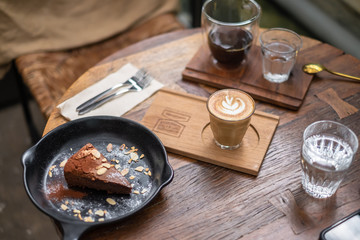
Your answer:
<point x="230" y="28"/>
<point x="230" y="112"/>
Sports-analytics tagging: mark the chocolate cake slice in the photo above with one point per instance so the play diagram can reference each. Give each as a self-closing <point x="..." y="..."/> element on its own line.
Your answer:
<point x="88" y="168"/>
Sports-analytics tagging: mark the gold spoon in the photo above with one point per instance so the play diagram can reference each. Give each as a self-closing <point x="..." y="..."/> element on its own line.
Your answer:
<point x="312" y="68"/>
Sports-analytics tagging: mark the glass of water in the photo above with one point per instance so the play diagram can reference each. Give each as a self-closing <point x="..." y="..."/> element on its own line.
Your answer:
<point x="279" y="47"/>
<point x="327" y="152"/>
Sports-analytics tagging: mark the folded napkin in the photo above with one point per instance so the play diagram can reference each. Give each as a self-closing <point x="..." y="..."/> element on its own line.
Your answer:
<point x="115" y="107"/>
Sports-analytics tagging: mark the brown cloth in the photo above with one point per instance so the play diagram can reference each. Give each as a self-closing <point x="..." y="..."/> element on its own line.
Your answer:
<point x="43" y="25"/>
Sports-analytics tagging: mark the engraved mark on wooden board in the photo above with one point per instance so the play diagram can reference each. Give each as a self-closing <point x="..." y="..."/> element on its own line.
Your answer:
<point x="171" y="124"/>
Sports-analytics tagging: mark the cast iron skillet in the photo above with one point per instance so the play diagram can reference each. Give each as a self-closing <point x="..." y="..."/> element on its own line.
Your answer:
<point x="67" y="139"/>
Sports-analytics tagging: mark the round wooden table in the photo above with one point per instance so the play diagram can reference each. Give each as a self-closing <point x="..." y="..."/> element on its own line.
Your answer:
<point x="205" y="201"/>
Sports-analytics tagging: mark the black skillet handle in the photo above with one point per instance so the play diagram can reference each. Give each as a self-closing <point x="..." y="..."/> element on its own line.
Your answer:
<point x="72" y="231"/>
<point x="28" y="156"/>
<point x="168" y="174"/>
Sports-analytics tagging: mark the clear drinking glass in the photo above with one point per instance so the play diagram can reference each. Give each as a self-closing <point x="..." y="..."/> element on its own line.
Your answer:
<point x="328" y="150"/>
<point x="230" y="27"/>
<point x="279" y="47"/>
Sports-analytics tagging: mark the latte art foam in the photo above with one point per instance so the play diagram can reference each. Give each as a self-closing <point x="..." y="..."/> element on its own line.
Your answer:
<point x="231" y="104"/>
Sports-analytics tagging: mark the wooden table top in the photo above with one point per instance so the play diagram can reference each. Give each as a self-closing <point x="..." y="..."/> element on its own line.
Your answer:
<point x="205" y="201"/>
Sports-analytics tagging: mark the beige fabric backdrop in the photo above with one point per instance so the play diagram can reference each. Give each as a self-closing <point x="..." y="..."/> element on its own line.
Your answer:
<point x="41" y="25"/>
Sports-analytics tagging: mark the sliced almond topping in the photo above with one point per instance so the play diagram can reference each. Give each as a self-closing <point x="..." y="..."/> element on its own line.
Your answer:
<point x="90" y="211"/>
<point x="110" y="201"/>
<point x="100" y="213"/>
<point x="109" y="147"/>
<point x="115" y="160"/>
<point x="147" y="169"/>
<point x="101" y="171"/>
<point x="143" y="191"/>
<point x="50" y="170"/>
<point x="130" y="151"/>
<point x="101" y="219"/>
<point x="82" y="154"/>
<point x="139" y="169"/>
<point x="131" y="177"/>
<point x="95" y="153"/>
<point x="122" y="147"/>
<point x="104" y="160"/>
<point x="63" y="163"/>
<point x="124" y="171"/>
<point x="149" y="173"/>
<point x="142" y="156"/>
<point x="134" y="156"/>
<point x="88" y="219"/>
<point x="136" y="192"/>
<point x="64" y="207"/>
<point x="76" y="211"/>
<point x="107" y="165"/>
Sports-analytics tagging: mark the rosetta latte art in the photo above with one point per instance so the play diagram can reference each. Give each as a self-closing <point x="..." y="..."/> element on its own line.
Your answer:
<point x="232" y="106"/>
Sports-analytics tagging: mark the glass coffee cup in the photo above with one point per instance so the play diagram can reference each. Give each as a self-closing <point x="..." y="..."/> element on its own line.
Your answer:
<point x="230" y="112"/>
<point x="230" y="28"/>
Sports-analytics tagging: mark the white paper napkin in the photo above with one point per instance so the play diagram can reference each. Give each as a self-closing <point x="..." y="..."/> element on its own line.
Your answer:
<point x="117" y="106"/>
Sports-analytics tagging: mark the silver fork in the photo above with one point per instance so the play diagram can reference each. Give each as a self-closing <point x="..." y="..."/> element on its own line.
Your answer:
<point x="136" y="87"/>
<point x="138" y="76"/>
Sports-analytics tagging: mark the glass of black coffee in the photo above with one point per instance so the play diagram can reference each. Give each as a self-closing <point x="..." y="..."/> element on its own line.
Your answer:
<point x="230" y="27"/>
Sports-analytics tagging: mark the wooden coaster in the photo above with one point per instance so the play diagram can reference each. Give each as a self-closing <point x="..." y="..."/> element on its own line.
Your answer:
<point x="249" y="78"/>
<point x="181" y="121"/>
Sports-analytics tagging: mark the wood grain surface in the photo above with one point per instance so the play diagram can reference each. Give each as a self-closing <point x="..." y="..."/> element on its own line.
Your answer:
<point x="205" y="201"/>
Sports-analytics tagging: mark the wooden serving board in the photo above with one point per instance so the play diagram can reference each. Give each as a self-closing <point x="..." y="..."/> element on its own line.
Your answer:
<point x="249" y="78"/>
<point x="181" y="121"/>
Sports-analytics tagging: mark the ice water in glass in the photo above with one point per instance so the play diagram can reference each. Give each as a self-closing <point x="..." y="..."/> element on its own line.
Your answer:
<point x="325" y="157"/>
<point x="279" y="48"/>
<point x="278" y="60"/>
